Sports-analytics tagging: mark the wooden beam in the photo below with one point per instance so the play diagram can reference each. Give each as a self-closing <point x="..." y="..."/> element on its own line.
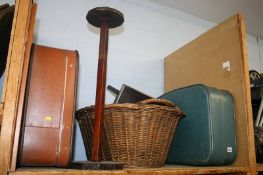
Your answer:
<point x="247" y="93"/>
<point x="23" y="87"/>
<point x="12" y="83"/>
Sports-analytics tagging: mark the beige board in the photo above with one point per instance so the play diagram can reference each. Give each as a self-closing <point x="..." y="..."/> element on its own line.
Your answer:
<point x="201" y="61"/>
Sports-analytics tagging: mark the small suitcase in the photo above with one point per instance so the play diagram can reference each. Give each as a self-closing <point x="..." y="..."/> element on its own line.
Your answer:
<point x="49" y="108"/>
<point x="207" y="135"/>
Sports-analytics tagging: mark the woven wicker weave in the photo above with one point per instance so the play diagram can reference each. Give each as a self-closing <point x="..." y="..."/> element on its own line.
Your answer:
<point x="137" y="134"/>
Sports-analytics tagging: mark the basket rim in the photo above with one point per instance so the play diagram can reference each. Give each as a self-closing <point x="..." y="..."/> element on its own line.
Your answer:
<point x="161" y="104"/>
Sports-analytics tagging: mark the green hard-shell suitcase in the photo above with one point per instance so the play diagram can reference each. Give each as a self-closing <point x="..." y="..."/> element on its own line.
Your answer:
<point x="207" y="135"/>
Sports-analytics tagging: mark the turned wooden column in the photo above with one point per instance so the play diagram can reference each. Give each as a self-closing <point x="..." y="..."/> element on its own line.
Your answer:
<point x="104" y="18"/>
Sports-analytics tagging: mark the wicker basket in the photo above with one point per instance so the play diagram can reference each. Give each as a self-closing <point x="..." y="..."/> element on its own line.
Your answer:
<point x="137" y="134"/>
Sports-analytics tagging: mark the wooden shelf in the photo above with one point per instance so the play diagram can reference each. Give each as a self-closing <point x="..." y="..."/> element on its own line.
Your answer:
<point x="259" y="167"/>
<point x="168" y="169"/>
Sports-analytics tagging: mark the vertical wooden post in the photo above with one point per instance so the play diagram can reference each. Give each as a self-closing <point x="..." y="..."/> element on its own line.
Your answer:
<point x="104" y="18"/>
<point x="12" y="83"/>
<point x="100" y="92"/>
<point x="23" y="87"/>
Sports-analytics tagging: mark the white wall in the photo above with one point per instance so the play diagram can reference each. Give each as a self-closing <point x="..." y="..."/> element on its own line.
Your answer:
<point x="255" y="53"/>
<point x="10" y="2"/>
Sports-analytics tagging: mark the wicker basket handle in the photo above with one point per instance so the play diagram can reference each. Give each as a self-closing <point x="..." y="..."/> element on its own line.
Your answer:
<point x="160" y="102"/>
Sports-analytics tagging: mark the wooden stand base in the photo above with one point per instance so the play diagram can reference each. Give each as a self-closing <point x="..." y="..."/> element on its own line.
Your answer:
<point x="104" y="165"/>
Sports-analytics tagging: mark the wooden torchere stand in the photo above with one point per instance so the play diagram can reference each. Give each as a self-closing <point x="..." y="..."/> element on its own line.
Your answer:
<point x="104" y="18"/>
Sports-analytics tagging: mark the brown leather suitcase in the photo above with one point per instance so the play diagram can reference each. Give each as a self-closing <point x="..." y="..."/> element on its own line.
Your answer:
<point x="49" y="108"/>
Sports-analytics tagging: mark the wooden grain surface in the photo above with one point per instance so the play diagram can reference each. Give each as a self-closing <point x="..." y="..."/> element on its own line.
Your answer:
<point x="23" y="86"/>
<point x="259" y="167"/>
<point x="166" y="170"/>
<point x="1" y="113"/>
<point x="247" y="93"/>
<point x="201" y="61"/>
<point x="100" y="92"/>
<point x="14" y="67"/>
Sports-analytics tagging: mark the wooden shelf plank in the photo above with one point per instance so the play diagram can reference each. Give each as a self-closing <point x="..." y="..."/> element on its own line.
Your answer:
<point x="259" y="167"/>
<point x="168" y="169"/>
